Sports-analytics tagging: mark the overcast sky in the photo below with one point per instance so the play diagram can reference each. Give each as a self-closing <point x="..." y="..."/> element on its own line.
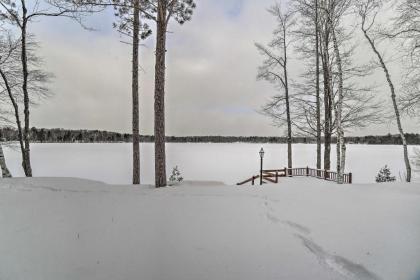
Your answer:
<point x="211" y="74"/>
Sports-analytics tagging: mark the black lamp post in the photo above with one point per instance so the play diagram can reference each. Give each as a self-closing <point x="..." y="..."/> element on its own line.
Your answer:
<point x="261" y="165"/>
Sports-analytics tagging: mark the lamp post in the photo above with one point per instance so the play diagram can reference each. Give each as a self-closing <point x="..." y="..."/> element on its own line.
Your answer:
<point x="261" y="165"/>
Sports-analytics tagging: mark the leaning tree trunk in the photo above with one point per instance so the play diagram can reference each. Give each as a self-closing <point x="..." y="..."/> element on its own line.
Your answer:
<point x="394" y="102"/>
<point x="318" y="101"/>
<point x="27" y="157"/>
<point x="135" y="94"/>
<point x="160" y="154"/>
<point x="4" y="170"/>
<point x="16" y="112"/>
<point x="339" y="107"/>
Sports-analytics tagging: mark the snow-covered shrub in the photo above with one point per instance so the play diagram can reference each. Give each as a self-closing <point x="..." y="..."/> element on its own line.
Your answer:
<point x="384" y="175"/>
<point x="175" y="177"/>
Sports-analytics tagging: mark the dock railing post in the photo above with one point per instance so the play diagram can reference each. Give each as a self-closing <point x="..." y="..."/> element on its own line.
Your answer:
<point x="350" y="178"/>
<point x="307" y="171"/>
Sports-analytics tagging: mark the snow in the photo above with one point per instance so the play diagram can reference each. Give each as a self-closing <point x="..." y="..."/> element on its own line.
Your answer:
<point x="302" y="228"/>
<point x="228" y="163"/>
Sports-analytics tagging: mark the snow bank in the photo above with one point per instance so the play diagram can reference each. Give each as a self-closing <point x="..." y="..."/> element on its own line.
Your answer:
<point x="63" y="228"/>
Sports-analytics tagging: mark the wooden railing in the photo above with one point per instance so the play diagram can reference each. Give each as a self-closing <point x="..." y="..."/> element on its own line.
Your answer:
<point x="274" y="174"/>
<point x="320" y="173"/>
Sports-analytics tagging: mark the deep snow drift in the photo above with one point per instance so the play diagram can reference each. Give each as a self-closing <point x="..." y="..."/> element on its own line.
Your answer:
<point x="53" y="229"/>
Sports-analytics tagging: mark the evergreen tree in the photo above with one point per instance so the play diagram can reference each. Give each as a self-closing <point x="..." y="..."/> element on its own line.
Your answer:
<point x="163" y="11"/>
<point x="384" y="175"/>
<point x="175" y="177"/>
<point x="129" y="13"/>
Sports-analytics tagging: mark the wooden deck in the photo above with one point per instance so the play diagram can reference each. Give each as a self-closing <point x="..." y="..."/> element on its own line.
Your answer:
<point x="273" y="175"/>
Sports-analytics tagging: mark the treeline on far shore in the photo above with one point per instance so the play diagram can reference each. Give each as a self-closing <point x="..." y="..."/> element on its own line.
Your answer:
<point x="59" y="135"/>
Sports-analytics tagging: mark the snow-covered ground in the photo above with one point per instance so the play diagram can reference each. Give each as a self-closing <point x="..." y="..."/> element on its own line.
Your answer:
<point x="302" y="228"/>
<point x="230" y="163"/>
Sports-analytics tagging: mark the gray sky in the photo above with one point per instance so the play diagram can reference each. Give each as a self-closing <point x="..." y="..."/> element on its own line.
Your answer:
<point x="211" y="74"/>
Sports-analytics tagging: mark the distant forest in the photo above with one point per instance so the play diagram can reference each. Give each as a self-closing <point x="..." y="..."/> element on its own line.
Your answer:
<point x="59" y="135"/>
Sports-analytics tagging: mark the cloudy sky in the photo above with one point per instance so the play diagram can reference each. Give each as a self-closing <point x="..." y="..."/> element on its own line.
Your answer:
<point x="211" y="74"/>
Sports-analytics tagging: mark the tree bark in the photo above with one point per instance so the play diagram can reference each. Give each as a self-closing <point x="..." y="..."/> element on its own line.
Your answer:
<point x="343" y="155"/>
<point x="27" y="157"/>
<point x="395" y="105"/>
<point x="327" y="109"/>
<point x="324" y="37"/>
<point x="4" y="170"/>
<point x="160" y="153"/>
<point x="318" y="101"/>
<point x="135" y="93"/>
<point x="340" y="132"/>
<point x="289" y="122"/>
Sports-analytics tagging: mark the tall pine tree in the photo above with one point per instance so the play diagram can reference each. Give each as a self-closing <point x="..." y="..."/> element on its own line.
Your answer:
<point x="129" y="24"/>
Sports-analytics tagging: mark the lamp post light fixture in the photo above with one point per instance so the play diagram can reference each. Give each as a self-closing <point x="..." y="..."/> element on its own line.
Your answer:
<point x="261" y="165"/>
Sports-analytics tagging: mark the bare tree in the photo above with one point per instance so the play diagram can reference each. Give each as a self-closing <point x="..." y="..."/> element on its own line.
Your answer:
<point x="10" y="71"/>
<point x="308" y="34"/>
<point x="344" y="95"/>
<point x="406" y="30"/>
<point x="275" y="70"/>
<point x="21" y="13"/>
<point x="341" y="148"/>
<point x="407" y="27"/>
<point x="410" y="101"/>
<point x="12" y="79"/>
<point x="317" y="89"/>
<point x="334" y="13"/>
<point x="368" y="10"/>
<point x="325" y="41"/>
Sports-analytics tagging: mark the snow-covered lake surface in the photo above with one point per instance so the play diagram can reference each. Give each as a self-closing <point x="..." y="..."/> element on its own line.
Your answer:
<point x="67" y="229"/>
<point x="228" y="163"/>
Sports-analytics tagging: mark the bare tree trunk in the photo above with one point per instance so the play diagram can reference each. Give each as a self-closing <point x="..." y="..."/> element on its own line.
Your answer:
<point x="330" y="120"/>
<point x="160" y="154"/>
<point x="4" y="170"/>
<point x="327" y="109"/>
<point x="339" y="107"/>
<point x="289" y="122"/>
<point x="27" y="157"/>
<point x="318" y="101"/>
<point x="135" y="94"/>
<point x="327" y="75"/>
<point x="343" y="155"/>
<point x="394" y="102"/>
<point x="16" y="112"/>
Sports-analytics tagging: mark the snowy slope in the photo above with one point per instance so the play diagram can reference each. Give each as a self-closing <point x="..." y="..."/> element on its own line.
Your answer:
<point x="63" y="228"/>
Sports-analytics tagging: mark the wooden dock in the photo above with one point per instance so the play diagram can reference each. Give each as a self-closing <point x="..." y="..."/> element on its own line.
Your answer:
<point x="273" y="175"/>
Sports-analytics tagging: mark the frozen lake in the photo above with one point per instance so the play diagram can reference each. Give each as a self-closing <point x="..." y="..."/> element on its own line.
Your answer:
<point x="228" y="163"/>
